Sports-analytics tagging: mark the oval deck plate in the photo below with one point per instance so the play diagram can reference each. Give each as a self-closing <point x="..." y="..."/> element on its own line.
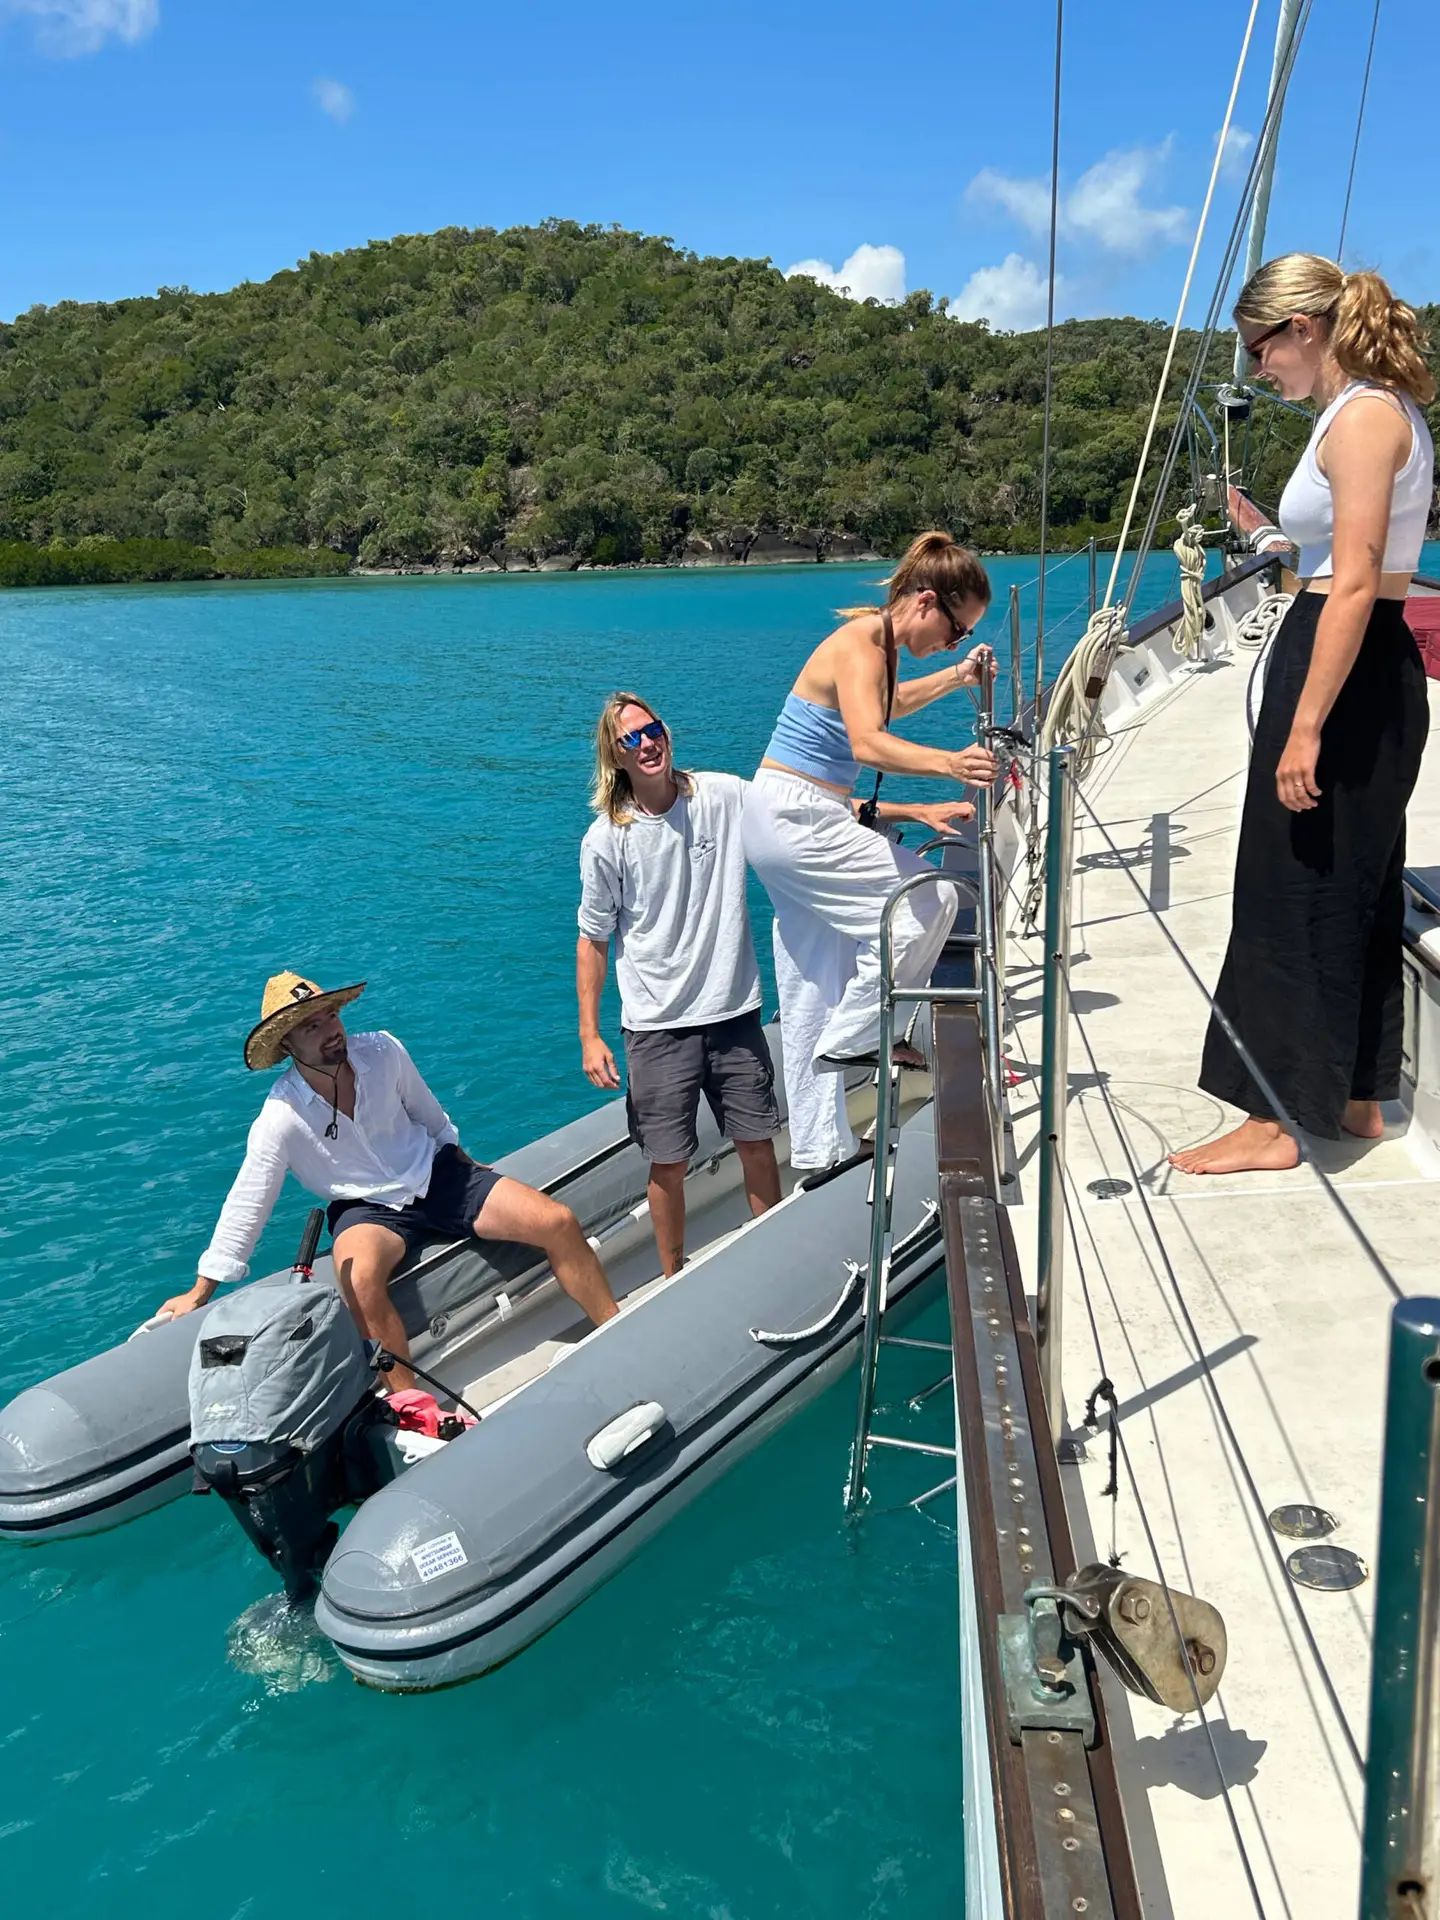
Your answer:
<point x="1330" y="1569"/>
<point x="1303" y="1522"/>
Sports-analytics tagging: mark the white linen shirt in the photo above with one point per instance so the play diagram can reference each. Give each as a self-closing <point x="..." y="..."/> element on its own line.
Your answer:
<point x="384" y="1154"/>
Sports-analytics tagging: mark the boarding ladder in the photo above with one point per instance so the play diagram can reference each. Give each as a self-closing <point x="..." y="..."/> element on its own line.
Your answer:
<point x="984" y="943"/>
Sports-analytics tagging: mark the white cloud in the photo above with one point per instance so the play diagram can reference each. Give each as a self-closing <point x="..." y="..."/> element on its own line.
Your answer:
<point x="1027" y="201"/>
<point x="68" y="27"/>
<point x="1012" y="296"/>
<point x="335" y="98"/>
<point x="1235" y="160"/>
<point x="871" y="273"/>
<point x="1103" y="205"/>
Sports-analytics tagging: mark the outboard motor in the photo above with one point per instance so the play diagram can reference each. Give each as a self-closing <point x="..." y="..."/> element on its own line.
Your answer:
<point x="282" y="1401"/>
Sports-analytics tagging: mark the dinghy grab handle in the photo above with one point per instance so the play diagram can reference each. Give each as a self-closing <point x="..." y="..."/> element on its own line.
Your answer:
<point x="624" y="1435"/>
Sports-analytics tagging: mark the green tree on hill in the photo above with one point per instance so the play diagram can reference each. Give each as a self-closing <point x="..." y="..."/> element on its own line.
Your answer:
<point x="557" y="390"/>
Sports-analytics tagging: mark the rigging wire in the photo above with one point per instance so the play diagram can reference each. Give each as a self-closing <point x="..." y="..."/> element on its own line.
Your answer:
<point x="1269" y="132"/>
<point x="1359" y="123"/>
<point x="1117" y="1429"/>
<point x="1084" y="674"/>
<point x="1222" y="141"/>
<point x="1049" y="365"/>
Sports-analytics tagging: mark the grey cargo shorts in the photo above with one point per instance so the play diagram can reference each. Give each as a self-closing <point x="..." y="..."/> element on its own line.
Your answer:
<point x="668" y="1070"/>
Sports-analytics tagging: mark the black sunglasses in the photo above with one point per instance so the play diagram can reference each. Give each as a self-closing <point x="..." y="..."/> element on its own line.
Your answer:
<point x="958" y="630"/>
<point x="628" y="742"/>
<point x="1252" y="347"/>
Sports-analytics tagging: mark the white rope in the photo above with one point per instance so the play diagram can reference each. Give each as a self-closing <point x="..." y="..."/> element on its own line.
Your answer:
<point x="1074" y="710"/>
<point x="1105" y="634"/>
<point x="1260" y="626"/>
<point x="1189" y="550"/>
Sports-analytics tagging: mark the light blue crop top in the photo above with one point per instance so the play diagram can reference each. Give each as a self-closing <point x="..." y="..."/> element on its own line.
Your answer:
<point x="812" y="740"/>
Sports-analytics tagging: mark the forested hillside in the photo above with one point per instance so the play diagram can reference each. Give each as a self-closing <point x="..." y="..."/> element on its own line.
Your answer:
<point x="557" y="392"/>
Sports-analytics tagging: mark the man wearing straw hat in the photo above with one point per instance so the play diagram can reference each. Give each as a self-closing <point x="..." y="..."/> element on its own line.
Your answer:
<point x="357" y="1126"/>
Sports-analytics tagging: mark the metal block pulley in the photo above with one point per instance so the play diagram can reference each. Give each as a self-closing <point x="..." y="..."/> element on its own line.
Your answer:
<point x="1166" y="1645"/>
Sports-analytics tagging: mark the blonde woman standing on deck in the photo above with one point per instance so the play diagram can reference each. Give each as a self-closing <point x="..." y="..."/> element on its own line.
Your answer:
<point x="827" y="875"/>
<point x="1312" y="981"/>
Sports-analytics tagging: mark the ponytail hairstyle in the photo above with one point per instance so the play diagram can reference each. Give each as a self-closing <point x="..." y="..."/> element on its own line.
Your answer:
<point x="1372" y="335"/>
<point x="610" y="792"/>
<point x="933" y="560"/>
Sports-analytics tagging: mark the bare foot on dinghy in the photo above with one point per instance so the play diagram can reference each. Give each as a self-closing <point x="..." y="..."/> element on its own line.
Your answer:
<point x="1364" y="1119"/>
<point x="1255" y="1146"/>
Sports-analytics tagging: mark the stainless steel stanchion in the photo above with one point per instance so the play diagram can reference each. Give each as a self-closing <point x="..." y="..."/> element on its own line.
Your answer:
<point x="1054" y="1076"/>
<point x="988" y="917"/>
<point x="1399" y="1864"/>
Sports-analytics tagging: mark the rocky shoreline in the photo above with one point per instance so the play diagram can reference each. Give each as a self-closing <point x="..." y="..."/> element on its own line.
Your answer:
<point x="751" y="550"/>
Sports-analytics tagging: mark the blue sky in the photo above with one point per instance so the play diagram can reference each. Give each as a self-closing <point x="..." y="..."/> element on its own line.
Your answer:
<point x="201" y="142"/>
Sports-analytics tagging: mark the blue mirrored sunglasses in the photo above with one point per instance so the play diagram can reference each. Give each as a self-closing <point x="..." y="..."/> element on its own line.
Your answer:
<point x="628" y="742"/>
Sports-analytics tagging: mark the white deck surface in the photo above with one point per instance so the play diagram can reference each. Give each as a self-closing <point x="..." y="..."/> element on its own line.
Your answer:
<point x="1292" y="1315"/>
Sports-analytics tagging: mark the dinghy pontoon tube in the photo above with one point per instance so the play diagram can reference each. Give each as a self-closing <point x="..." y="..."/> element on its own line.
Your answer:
<point x="469" y="1555"/>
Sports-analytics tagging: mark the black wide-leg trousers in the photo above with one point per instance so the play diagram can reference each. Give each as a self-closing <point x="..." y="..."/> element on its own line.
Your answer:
<point x="1312" y="980"/>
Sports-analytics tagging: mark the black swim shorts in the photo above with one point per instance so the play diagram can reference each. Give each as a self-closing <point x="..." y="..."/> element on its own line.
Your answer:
<point x="459" y="1188"/>
<point x="668" y="1070"/>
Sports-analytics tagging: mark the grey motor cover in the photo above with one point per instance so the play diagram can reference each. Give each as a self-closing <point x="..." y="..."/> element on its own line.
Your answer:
<point x="277" y="1363"/>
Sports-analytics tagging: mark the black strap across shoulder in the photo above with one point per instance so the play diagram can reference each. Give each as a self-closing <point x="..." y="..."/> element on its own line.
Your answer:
<point x="870" y="809"/>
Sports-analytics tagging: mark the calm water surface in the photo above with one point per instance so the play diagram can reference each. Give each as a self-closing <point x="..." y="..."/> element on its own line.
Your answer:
<point x="385" y="780"/>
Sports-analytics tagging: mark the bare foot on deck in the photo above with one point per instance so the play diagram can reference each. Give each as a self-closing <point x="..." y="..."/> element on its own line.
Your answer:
<point x="1364" y="1119"/>
<point x="1255" y="1146"/>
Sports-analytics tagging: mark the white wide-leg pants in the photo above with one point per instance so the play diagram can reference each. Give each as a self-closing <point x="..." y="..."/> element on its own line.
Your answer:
<point x="828" y="879"/>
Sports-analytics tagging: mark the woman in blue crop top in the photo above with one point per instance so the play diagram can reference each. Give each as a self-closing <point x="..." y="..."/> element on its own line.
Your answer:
<point x="1311" y="982"/>
<point x="828" y="877"/>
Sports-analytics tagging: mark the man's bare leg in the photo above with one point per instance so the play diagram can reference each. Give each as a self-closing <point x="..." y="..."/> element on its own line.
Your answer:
<point x="762" y="1174"/>
<point x="666" y="1194"/>
<point x="365" y="1258"/>
<point x="1364" y="1119"/>
<point x="513" y="1211"/>
<point x="1255" y="1146"/>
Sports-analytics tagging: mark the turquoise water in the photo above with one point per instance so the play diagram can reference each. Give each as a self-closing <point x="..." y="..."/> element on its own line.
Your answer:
<point x="385" y="780"/>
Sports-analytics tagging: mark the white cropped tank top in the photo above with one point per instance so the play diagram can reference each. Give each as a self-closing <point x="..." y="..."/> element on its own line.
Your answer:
<point x="1307" y="508"/>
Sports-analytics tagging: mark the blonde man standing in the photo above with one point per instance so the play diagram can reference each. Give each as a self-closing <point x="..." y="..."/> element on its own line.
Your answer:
<point x="662" y="873"/>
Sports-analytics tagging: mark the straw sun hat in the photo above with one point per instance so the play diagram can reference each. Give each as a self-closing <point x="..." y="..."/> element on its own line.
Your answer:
<point x="289" y="1001"/>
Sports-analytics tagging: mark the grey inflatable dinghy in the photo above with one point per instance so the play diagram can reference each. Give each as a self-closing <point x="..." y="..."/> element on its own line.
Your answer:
<point x="590" y="1437"/>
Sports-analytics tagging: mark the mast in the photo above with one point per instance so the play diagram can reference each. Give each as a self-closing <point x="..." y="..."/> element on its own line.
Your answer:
<point x="1260" y="213"/>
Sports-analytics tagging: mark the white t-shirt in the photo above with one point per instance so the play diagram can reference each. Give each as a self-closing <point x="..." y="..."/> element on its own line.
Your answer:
<point x="670" y="888"/>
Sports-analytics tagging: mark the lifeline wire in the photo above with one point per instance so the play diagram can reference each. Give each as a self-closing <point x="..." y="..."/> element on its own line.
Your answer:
<point x="1239" y="1838"/>
<point x="1203" y="1363"/>
<point x="1359" y="123"/>
<point x="1366" y="1245"/>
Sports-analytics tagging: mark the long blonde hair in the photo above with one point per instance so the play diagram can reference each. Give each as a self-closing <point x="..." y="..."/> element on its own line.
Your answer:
<point x="933" y="560"/>
<point x="1372" y="334"/>
<point x="610" y="791"/>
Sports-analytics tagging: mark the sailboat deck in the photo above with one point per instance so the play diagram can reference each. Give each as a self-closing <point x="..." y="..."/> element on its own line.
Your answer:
<point x="1259" y="1809"/>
